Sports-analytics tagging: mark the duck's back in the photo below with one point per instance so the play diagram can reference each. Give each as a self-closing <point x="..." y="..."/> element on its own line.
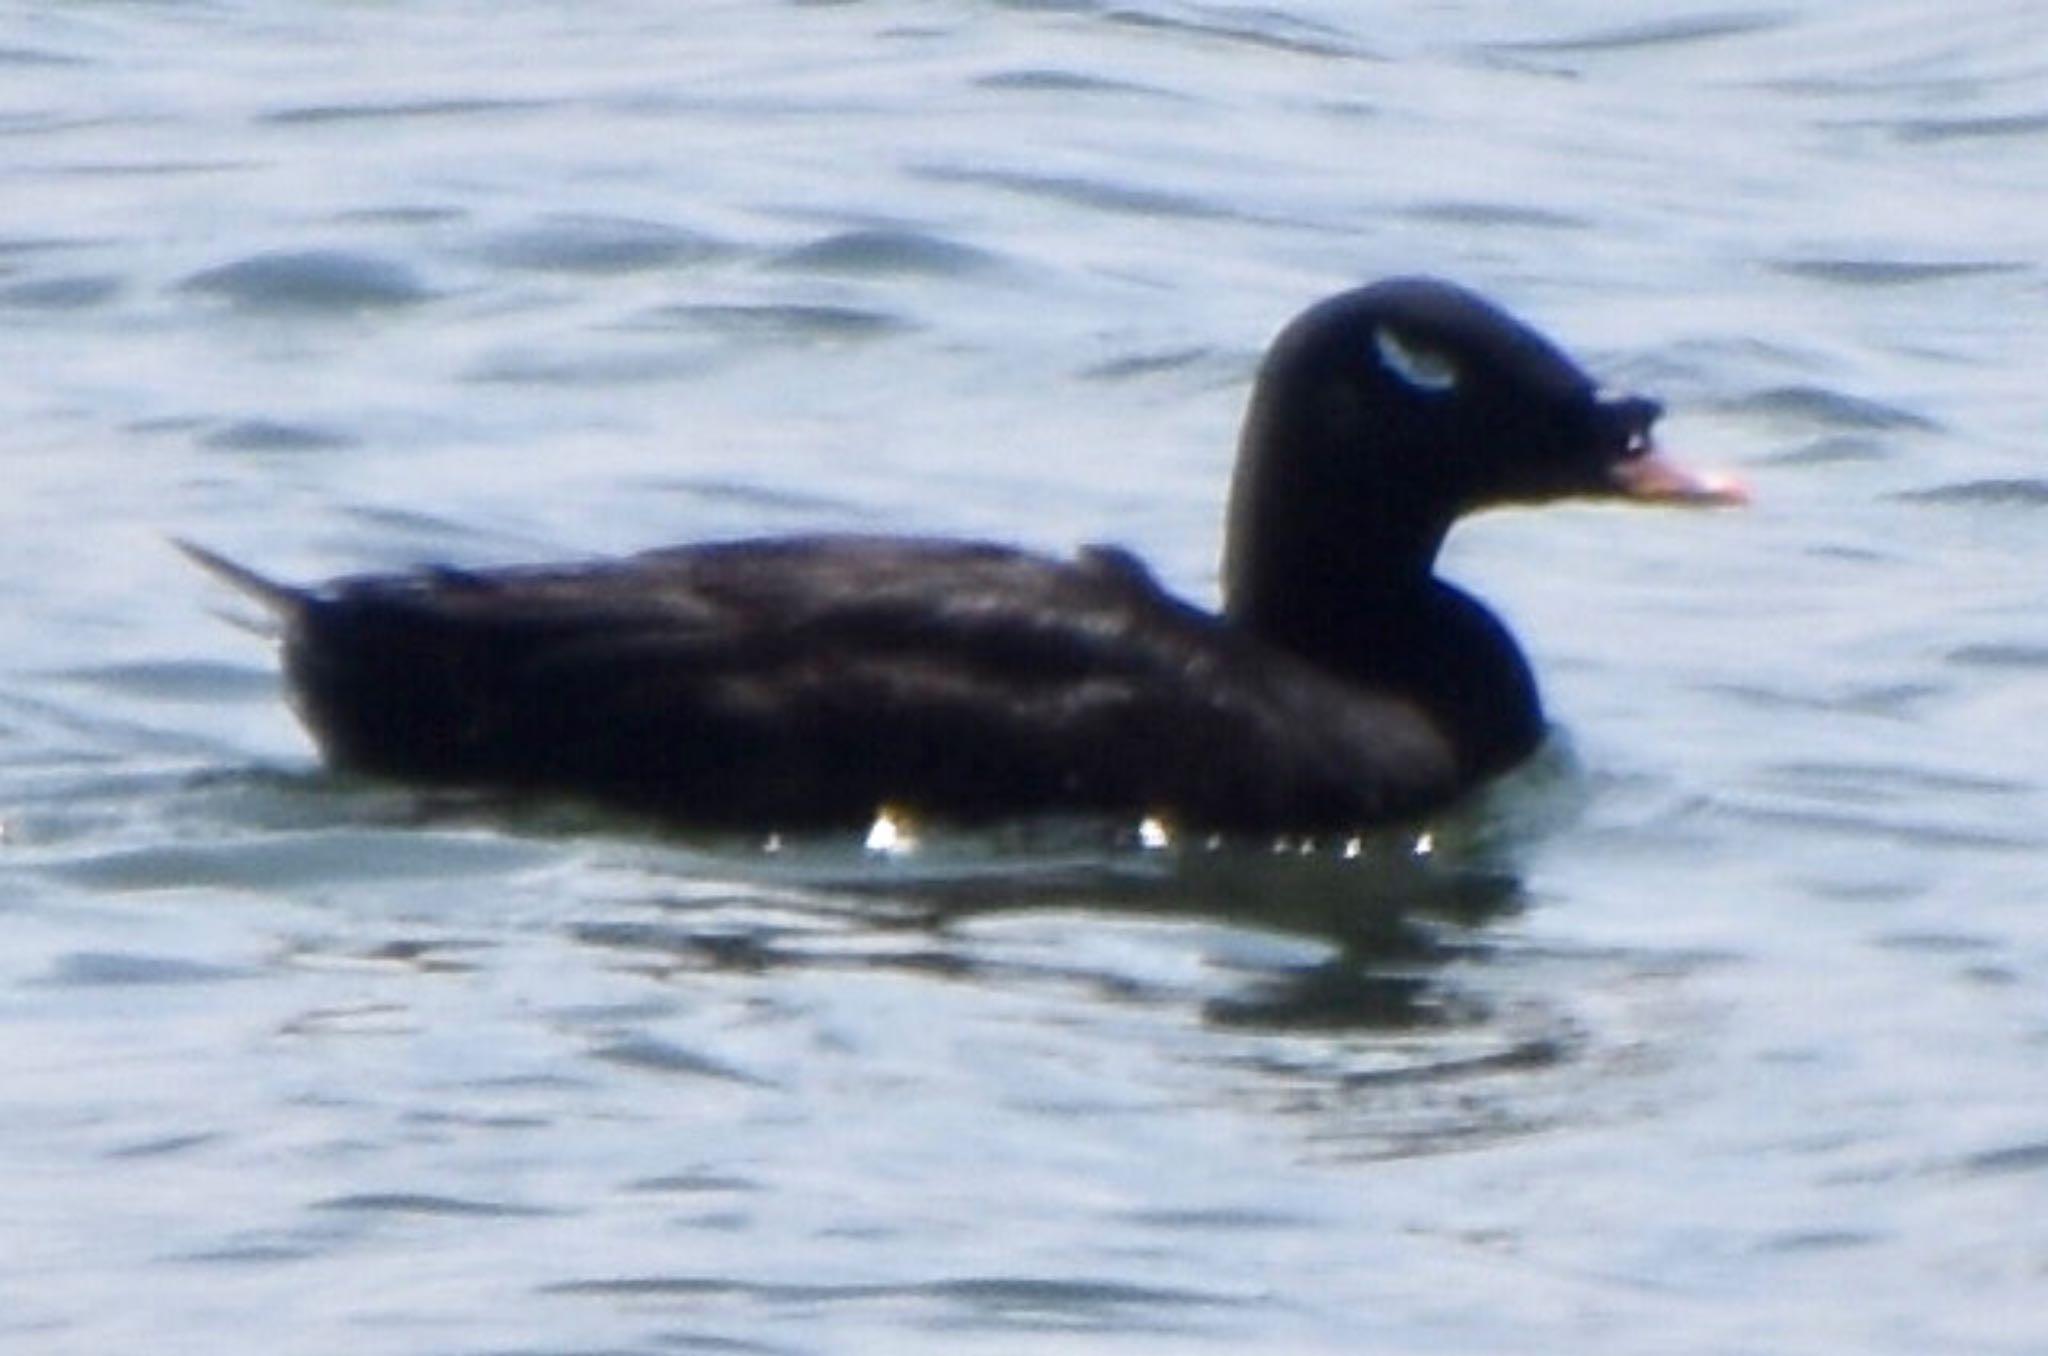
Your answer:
<point x="816" y="680"/>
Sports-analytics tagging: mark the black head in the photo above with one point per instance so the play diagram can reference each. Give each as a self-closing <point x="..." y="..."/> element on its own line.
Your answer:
<point x="1384" y="413"/>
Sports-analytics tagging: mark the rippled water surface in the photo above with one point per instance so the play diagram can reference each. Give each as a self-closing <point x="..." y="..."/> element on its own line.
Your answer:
<point x="1721" y="1029"/>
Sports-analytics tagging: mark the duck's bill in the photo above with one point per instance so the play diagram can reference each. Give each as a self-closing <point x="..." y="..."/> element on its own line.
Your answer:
<point x="1653" y="478"/>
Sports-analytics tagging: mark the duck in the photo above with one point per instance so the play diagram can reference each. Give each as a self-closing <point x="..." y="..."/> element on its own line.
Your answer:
<point x="816" y="681"/>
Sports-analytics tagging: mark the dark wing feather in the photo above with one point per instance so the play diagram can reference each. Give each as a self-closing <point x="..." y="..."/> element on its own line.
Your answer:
<point x="816" y="680"/>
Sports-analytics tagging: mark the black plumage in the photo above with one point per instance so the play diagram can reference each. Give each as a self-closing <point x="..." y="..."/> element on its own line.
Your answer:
<point x="813" y="681"/>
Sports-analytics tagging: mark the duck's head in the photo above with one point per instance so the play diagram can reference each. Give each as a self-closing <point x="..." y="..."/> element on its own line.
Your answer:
<point x="1383" y="414"/>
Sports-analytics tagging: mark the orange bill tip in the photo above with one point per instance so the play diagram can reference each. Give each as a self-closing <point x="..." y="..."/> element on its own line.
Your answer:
<point x="1654" y="478"/>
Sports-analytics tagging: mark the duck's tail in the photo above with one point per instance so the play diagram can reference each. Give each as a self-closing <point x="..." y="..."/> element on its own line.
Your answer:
<point x="283" y="603"/>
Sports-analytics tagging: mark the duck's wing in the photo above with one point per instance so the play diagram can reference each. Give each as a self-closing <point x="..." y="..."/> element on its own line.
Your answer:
<point x="816" y="680"/>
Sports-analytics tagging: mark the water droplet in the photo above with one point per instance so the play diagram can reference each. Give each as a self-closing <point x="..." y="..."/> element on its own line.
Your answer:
<point x="889" y="834"/>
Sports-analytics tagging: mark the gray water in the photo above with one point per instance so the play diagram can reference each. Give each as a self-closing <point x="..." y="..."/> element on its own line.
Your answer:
<point x="1721" y="1029"/>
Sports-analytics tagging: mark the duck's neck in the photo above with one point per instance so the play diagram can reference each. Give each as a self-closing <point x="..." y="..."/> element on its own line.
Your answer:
<point x="1331" y="556"/>
<point x="1365" y="607"/>
<point x="1434" y="646"/>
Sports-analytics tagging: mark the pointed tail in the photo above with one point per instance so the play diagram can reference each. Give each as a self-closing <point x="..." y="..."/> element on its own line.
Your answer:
<point x="284" y="603"/>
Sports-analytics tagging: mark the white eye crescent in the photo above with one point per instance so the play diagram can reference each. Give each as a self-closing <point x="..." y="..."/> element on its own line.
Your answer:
<point x="1426" y="369"/>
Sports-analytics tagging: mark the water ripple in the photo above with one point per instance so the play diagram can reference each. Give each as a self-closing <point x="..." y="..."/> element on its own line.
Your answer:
<point x="580" y="363"/>
<point x="1829" y="409"/>
<point x="651" y="1055"/>
<point x="1999" y="492"/>
<point x="427" y="1203"/>
<point x="275" y="435"/>
<point x="1138" y="365"/>
<point x="2018" y="1158"/>
<point x="39" y="56"/>
<point x="2000" y="655"/>
<point x="1102" y="195"/>
<point x="178" y="680"/>
<point x="1080" y="1300"/>
<point x="1268" y="29"/>
<point x="1039" y="80"/>
<point x="163" y="1146"/>
<point x="1939" y="130"/>
<point x="311" y="281"/>
<point x="1654" y="33"/>
<point x="778" y="323"/>
<point x="599" y="245"/>
<point x="1513" y="215"/>
<point x="402" y="109"/>
<point x="1906" y="831"/>
<point x="74" y="293"/>
<point x="1867" y="782"/>
<point x="287" y="860"/>
<point x="887" y="251"/>
<point x="1855" y="272"/>
<point x="126" y="969"/>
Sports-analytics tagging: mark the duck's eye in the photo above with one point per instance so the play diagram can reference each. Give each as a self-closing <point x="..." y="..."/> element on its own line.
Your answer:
<point x="1424" y="368"/>
<point x="1633" y="418"/>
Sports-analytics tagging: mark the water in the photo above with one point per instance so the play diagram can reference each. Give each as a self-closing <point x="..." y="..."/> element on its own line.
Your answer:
<point x="1718" y="1031"/>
